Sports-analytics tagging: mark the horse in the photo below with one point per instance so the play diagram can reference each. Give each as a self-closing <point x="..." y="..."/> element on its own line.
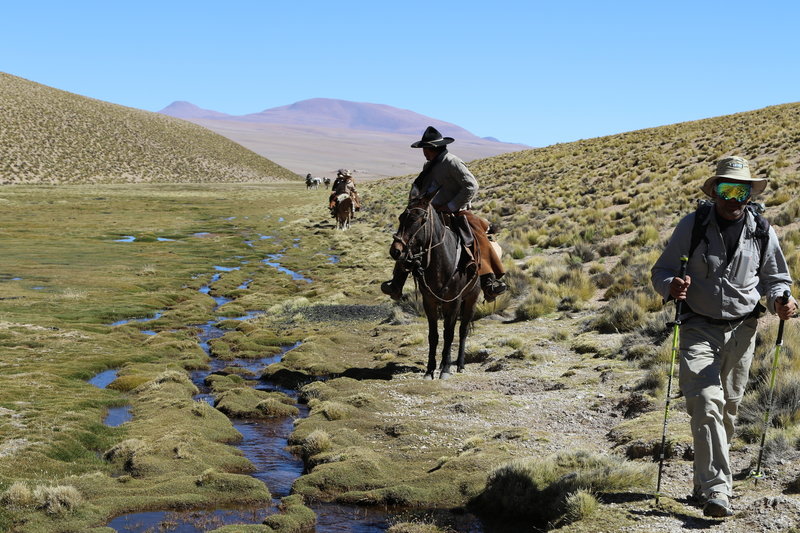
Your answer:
<point x="327" y="181"/>
<point x="344" y="211"/>
<point x="312" y="183"/>
<point x="431" y="251"/>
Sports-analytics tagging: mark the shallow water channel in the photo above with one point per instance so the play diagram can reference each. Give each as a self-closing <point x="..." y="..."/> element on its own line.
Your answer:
<point x="264" y="443"/>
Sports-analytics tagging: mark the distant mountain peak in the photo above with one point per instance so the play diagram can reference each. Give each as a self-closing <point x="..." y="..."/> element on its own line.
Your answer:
<point x="185" y="110"/>
<point x="331" y="113"/>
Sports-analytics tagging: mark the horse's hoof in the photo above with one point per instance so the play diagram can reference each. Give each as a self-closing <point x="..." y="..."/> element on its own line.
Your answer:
<point x="428" y="375"/>
<point x="460" y="370"/>
<point x="444" y="375"/>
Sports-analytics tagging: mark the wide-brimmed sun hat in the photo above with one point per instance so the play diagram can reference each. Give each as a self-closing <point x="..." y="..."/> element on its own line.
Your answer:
<point x="734" y="168"/>
<point x="343" y="172"/>
<point x="432" y="139"/>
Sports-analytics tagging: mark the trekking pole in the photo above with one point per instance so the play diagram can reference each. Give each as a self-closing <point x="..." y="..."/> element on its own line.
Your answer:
<point x="675" y="344"/>
<point x="778" y="344"/>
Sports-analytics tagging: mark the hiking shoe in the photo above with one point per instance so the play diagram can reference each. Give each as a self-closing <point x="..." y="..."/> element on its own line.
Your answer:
<point x="717" y="506"/>
<point x="390" y="290"/>
<point x="697" y="497"/>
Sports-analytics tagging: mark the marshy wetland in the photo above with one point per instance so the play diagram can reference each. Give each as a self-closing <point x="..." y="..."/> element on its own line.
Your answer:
<point x="216" y="357"/>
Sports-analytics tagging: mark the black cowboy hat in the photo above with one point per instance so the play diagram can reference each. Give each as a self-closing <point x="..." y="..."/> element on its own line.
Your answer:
<point x="432" y="139"/>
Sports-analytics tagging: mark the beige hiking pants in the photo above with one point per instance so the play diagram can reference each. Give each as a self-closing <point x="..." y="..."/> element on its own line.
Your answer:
<point x="714" y="367"/>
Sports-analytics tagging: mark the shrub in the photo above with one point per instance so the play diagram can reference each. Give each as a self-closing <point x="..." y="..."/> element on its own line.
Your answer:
<point x="579" y="505"/>
<point x="17" y="495"/>
<point x="584" y="252"/>
<point x="610" y="248"/>
<point x="57" y="500"/>
<point x="539" y="489"/>
<point x="315" y="442"/>
<point x="654" y="380"/>
<point x="334" y="410"/>
<point x="619" y="316"/>
<point x="536" y="305"/>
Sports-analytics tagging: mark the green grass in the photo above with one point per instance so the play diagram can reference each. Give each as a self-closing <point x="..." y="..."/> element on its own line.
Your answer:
<point x="54" y="339"/>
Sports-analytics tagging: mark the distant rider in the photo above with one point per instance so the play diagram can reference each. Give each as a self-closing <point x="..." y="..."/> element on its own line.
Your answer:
<point x="343" y="184"/>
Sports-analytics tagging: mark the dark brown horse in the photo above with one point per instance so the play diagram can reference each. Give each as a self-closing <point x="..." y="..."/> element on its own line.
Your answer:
<point x="426" y="247"/>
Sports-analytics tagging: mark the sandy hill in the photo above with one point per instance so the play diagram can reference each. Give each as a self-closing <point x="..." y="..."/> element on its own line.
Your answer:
<point x="52" y="136"/>
<point x="322" y="134"/>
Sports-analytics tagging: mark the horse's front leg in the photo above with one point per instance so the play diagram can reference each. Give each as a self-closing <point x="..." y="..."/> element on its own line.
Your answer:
<point x="467" y="314"/>
<point x="450" y="316"/>
<point x="432" y="313"/>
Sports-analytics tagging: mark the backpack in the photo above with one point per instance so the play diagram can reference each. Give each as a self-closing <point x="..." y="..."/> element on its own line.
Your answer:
<point x="699" y="229"/>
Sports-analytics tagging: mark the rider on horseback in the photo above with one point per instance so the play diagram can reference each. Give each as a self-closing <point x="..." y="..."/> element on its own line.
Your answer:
<point x="456" y="187"/>
<point x="343" y="184"/>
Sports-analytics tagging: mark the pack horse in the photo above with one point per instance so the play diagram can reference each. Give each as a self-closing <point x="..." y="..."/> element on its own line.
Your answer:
<point x="312" y="182"/>
<point x="426" y="247"/>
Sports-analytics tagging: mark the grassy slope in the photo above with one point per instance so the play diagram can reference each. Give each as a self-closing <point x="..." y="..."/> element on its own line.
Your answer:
<point x="52" y="136"/>
<point x="442" y="438"/>
<point x="572" y="193"/>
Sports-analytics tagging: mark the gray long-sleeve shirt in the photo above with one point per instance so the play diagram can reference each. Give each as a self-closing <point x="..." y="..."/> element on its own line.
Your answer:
<point x="721" y="289"/>
<point x="451" y="177"/>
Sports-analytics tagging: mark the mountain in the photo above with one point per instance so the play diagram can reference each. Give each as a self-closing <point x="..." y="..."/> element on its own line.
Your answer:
<point x="187" y="110"/>
<point x="53" y="136"/>
<point x="321" y="135"/>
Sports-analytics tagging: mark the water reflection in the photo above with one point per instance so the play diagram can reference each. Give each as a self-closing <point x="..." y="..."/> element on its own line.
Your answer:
<point x="129" y="320"/>
<point x="116" y="416"/>
<point x="104" y="378"/>
<point x="271" y="260"/>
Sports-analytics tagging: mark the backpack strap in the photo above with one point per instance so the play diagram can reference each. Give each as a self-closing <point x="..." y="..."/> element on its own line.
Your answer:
<point x="699" y="227"/>
<point x="761" y="234"/>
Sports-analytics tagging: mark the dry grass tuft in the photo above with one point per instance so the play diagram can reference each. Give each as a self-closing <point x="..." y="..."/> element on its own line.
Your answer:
<point x="57" y="500"/>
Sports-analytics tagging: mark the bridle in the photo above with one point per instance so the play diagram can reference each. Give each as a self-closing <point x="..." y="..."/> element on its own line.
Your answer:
<point x="418" y="261"/>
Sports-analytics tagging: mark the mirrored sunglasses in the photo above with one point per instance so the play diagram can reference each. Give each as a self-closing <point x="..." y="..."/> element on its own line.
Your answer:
<point x="734" y="191"/>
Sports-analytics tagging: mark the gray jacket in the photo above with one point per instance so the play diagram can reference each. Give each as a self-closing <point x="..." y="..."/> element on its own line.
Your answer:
<point x="719" y="289"/>
<point x="451" y="177"/>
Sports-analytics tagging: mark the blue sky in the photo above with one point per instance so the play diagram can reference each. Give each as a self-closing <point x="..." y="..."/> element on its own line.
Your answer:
<point x="522" y="71"/>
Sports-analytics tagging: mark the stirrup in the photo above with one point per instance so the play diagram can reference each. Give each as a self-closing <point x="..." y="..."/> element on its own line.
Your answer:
<point x="387" y="288"/>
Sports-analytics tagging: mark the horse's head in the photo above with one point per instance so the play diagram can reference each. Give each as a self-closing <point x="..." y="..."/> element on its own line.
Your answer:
<point x="412" y="221"/>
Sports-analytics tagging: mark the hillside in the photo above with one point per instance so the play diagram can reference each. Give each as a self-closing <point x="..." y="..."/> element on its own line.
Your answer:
<point x="52" y="136"/>
<point x="598" y="191"/>
<point x="321" y="135"/>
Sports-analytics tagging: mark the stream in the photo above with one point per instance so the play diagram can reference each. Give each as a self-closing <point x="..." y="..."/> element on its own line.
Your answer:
<point x="264" y="443"/>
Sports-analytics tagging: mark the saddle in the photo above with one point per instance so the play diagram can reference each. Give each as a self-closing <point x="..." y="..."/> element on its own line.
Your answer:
<point x="468" y="256"/>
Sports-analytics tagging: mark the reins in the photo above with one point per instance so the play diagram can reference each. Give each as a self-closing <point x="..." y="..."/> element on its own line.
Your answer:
<point x="412" y="258"/>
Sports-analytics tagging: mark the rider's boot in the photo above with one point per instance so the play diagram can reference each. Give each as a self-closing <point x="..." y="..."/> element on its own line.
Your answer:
<point x="492" y="287"/>
<point x="394" y="287"/>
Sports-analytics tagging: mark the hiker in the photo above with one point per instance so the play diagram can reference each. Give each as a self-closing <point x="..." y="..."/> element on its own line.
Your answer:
<point x="455" y="187"/>
<point x="734" y="259"/>
<point x="343" y="184"/>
